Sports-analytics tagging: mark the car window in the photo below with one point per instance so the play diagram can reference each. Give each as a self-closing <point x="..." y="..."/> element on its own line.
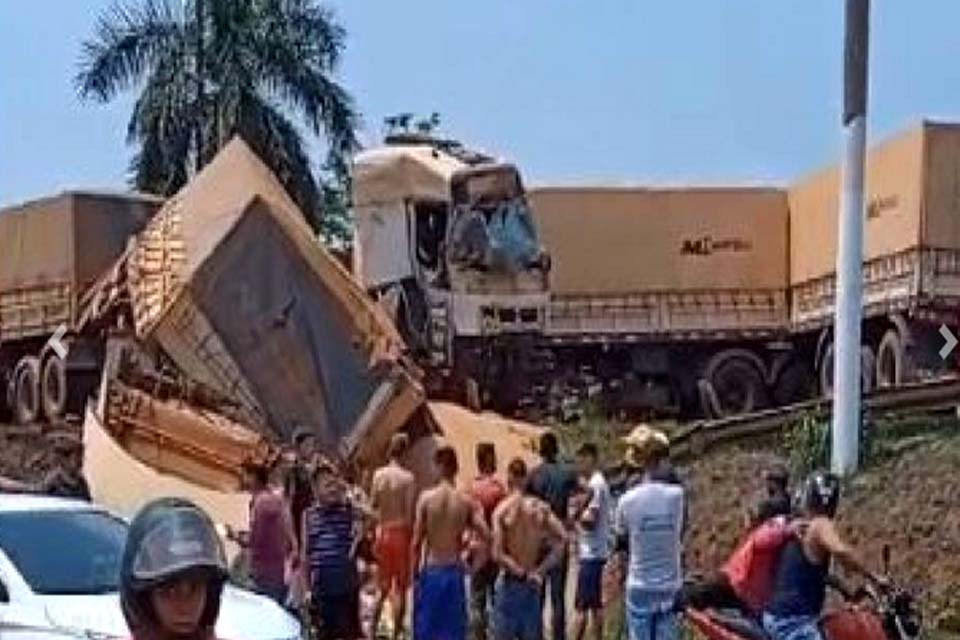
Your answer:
<point x="65" y="552"/>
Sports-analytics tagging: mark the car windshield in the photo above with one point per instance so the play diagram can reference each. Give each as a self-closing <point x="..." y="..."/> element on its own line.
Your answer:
<point x="65" y="552"/>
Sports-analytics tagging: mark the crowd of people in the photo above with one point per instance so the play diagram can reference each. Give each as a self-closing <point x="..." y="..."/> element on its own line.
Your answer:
<point x="485" y="560"/>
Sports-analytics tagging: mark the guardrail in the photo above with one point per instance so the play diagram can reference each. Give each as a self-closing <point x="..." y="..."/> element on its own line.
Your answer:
<point x="694" y="439"/>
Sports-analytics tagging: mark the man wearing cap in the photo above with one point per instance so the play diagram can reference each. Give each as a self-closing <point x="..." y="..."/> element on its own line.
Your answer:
<point x="66" y="479"/>
<point x="649" y="520"/>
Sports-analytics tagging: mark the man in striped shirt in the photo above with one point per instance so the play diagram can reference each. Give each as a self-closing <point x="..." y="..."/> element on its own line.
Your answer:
<point x="330" y="530"/>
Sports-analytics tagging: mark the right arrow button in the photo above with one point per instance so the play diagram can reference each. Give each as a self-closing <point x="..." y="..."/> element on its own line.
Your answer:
<point x="950" y="344"/>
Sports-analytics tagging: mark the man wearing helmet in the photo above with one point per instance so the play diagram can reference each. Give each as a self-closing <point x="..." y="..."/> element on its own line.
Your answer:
<point x="803" y="572"/>
<point x="172" y="573"/>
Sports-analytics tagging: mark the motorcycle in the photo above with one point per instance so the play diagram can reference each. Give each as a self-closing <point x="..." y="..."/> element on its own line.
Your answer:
<point x="868" y="614"/>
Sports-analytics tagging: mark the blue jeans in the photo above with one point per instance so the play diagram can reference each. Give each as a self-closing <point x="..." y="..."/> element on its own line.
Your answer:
<point x="556" y="583"/>
<point x="517" y="610"/>
<point x="650" y="615"/>
<point x="792" y="627"/>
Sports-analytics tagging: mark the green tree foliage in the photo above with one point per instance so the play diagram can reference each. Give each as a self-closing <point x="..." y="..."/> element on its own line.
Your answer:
<point x="207" y="70"/>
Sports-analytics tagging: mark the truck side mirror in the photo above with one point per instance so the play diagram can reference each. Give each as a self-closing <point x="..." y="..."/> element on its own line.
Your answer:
<point x="4" y="594"/>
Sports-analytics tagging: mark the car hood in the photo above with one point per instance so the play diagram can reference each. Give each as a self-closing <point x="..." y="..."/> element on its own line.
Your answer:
<point x="243" y="616"/>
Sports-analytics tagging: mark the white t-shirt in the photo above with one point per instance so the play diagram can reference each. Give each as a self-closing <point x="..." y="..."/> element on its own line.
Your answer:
<point x="595" y="544"/>
<point x="651" y="515"/>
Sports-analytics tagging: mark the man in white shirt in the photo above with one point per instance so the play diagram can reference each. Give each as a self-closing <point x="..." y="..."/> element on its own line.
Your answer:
<point x="593" y="526"/>
<point x="650" y="517"/>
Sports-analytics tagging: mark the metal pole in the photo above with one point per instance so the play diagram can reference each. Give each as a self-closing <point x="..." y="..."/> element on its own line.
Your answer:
<point x="198" y="17"/>
<point x="849" y="294"/>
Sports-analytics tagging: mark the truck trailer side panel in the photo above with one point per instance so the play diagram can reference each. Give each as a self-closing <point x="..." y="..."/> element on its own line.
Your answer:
<point x="52" y="250"/>
<point x="629" y="241"/>
<point x="893" y="195"/>
<point x="231" y="283"/>
<point x="911" y="233"/>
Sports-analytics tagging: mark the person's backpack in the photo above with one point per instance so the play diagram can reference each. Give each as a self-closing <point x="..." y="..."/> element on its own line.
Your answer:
<point x="752" y="566"/>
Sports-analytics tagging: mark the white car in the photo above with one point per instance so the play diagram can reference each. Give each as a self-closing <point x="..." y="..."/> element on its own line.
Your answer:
<point x="59" y="570"/>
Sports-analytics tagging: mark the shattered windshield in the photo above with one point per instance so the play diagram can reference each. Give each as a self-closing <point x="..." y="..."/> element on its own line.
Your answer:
<point x="498" y="236"/>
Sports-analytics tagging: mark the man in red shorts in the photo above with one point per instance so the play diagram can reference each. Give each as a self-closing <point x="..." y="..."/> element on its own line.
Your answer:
<point x="488" y="491"/>
<point x="393" y="498"/>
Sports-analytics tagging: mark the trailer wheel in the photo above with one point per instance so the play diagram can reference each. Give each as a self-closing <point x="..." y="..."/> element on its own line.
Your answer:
<point x="794" y="383"/>
<point x="867" y="368"/>
<point x="53" y="388"/>
<point x="7" y="396"/>
<point x="893" y="365"/>
<point x="26" y="400"/>
<point x="738" y="387"/>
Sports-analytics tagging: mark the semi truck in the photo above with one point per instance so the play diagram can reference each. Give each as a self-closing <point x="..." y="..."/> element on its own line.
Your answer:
<point x="695" y="301"/>
<point x="720" y="301"/>
<point x="446" y="242"/>
<point x="911" y="252"/>
<point x="52" y="251"/>
<point x="217" y="308"/>
<point x="668" y="299"/>
<point x="689" y="300"/>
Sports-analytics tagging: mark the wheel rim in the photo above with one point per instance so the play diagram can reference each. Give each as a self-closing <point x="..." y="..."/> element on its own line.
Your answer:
<point x="54" y="390"/>
<point x="52" y="387"/>
<point x="26" y="393"/>
<point x="735" y="384"/>
<point x="886" y="368"/>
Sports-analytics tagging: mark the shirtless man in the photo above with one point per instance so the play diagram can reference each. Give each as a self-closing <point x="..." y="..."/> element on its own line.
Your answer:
<point x="522" y="525"/>
<point x="393" y="498"/>
<point x="443" y="516"/>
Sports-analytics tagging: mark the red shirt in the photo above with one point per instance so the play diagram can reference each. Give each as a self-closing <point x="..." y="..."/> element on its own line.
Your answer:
<point x="268" y="542"/>
<point x="488" y="491"/>
<point x="751" y="567"/>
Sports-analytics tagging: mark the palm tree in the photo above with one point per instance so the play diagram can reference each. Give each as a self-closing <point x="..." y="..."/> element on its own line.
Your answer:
<point x="209" y="69"/>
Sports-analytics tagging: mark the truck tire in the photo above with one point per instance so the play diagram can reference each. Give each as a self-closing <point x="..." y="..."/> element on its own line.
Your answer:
<point x="53" y="388"/>
<point x="867" y="369"/>
<point x="737" y="386"/>
<point x="26" y="396"/>
<point x="6" y="396"/>
<point x="794" y="383"/>
<point x="893" y="363"/>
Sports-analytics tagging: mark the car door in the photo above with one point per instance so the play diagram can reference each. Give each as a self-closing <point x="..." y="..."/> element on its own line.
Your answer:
<point x="21" y="615"/>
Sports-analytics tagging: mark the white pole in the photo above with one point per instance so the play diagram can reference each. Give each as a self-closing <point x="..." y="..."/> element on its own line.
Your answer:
<point x="846" y="370"/>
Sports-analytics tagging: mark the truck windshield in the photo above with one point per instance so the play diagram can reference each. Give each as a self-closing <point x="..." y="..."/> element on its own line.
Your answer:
<point x="496" y="236"/>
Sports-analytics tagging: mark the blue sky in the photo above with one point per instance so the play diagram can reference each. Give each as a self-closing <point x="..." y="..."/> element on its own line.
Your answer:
<point x="573" y="91"/>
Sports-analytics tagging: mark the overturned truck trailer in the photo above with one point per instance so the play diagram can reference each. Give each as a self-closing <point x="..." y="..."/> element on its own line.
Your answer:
<point x="230" y="285"/>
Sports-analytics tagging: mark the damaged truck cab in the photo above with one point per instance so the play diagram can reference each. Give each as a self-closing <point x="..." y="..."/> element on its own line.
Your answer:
<point x="445" y="240"/>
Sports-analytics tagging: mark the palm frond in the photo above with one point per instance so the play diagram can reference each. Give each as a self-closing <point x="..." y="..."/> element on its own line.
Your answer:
<point x="297" y="49"/>
<point x="160" y="166"/>
<point x="126" y="44"/>
<point x="274" y="138"/>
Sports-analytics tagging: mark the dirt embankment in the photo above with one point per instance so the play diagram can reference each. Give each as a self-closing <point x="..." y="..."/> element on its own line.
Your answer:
<point x="910" y="502"/>
<point x="24" y="454"/>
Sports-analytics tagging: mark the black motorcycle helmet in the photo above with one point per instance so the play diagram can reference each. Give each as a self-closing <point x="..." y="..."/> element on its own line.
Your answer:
<point x="821" y="494"/>
<point x="168" y="538"/>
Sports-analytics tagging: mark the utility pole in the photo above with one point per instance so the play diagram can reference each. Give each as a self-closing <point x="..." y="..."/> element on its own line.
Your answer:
<point x="198" y="18"/>
<point x="849" y="293"/>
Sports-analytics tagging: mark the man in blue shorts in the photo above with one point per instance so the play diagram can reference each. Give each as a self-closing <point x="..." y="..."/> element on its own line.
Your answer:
<point x="593" y="526"/>
<point x="522" y="526"/>
<point x="444" y="514"/>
